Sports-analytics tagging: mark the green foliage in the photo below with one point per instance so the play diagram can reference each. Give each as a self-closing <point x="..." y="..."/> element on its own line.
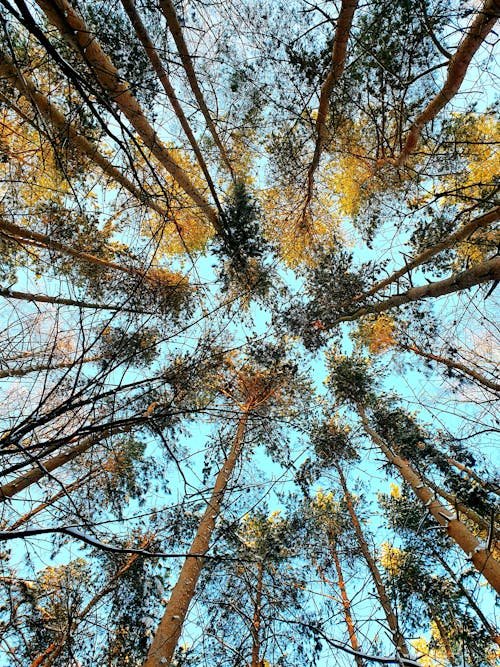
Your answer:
<point x="350" y="379"/>
<point x="136" y="348"/>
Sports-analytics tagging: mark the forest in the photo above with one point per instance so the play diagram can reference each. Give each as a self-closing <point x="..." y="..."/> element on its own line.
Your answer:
<point x="249" y="334"/>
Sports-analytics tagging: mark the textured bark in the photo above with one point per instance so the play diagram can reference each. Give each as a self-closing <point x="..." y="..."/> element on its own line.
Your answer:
<point x="170" y="627"/>
<point x="152" y="54"/>
<point x="480" y="556"/>
<point x="174" y="26"/>
<point x="390" y="616"/>
<point x="61" y="301"/>
<point x="21" y="372"/>
<point x="74" y="30"/>
<point x="55" y="118"/>
<point x="462" y="233"/>
<point x="481" y="273"/>
<point x="346" y="604"/>
<point x="256" y="620"/>
<point x="45" y="467"/>
<point x="466" y="370"/>
<point x="477" y="32"/>
<point x="336" y="70"/>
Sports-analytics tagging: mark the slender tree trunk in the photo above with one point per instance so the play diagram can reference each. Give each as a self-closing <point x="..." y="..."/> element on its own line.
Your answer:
<point x="470" y="473"/>
<point x="46" y="467"/>
<point x="74" y="30"/>
<point x="392" y="621"/>
<point x="339" y="51"/>
<point x="451" y="498"/>
<point x="168" y="9"/>
<point x="256" y="619"/>
<point x="61" y="301"/>
<point x="346" y="604"/>
<point x="39" y="508"/>
<point x="21" y="372"/>
<point x="495" y="386"/>
<point x="481" y="557"/>
<point x="442" y="634"/>
<point x="475" y="35"/>
<point x="493" y="632"/>
<point x="463" y="232"/>
<point x="54" y="117"/>
<point x="168" y="632"/>
<point x="149" y="48"/>
<point x="481" y="273"/>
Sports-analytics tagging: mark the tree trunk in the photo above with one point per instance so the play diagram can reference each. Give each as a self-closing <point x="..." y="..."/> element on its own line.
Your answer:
<point x="463" y="232"/>
<point x="174" y="26"/>
<point x="495" y="637"/>
<point x="495" y="386"/>
<point x="46" y="467"/>
<point x="21" y="372"/>
<point x="74" y="30"/>
<point x="481" y="273"/>
<point x="339" y="51"/>
<point x="56" y="119"/>
<point x="481" y="557"/>
<point x="346" y="604"/>
<point x="256" y="619"/>
<point x="168" y="632"/>
<point x="475" y="35"/>
<point x="61" y="301"/>
<point x="392" y="621"/>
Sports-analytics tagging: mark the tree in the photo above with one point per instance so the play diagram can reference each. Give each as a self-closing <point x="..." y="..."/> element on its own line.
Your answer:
<point x="207" y="211"/>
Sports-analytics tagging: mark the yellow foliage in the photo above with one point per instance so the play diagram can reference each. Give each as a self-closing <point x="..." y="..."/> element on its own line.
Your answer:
<point x="395" y="491"/>
<point x="376" y="333"/>
<point x="392" y="559"/>
<point x="429" y="657"/>
<point x="298" y="235"/>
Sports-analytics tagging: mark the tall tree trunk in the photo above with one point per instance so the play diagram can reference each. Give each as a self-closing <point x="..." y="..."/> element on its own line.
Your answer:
<point x="493" y="632"/>
<point x="481" y="557"/>
<point x="475" y="35"/>
<point x="74" y="30"/>
<point x="170" y="627"/>
<point x="21" y="372"/>
<point x="392" y="622"/>
<point x="339" y="51"/>
<point x="44" y="468"/>
<point x="61" y="301"/>
<point x="481" y="273"/>
<point x="168" y="9"/>
<point x="152" y="53"/>
<point x="55" y="118"/>
<point x="256" y="619"/>
<point x="495" y="386"/>
<point x="463" y="232"/>
<point x="346" y="604"/>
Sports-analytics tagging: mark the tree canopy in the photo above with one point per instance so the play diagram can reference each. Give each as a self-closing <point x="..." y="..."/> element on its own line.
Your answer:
<point x="249" y="259"/>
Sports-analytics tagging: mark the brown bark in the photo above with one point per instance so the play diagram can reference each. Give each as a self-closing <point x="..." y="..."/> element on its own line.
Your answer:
<point x="442" y="634"/>
<point x="36" y="474"/>
<point x="477" y="32"/>
<point x="63" y="492"/>
<point x="170" y="627"/>
<point x="61" y="301"/>
<point x="152" y="54"/>
<point x="452" y="364"/>
<point x="480" y="556"/>
<point x="336" y="70"/>
<point x="174" y="26"/>
<point x="481" y="273"/>
<point x="54" y="117"/>
<point x="24" y="235"/>
<point x="74" y="30"/>
<point x="346" y="604"/>
<point x="392" y="622"/>
<point x="21" y="372"/>
<point x="463" y="232"/>
<point x="256" y="619"/>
